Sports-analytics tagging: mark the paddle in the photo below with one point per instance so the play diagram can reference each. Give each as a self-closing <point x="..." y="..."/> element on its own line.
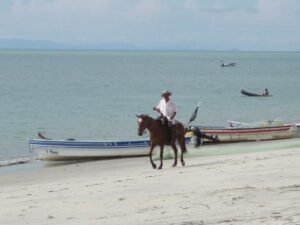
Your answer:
<point x="41" y="136"/>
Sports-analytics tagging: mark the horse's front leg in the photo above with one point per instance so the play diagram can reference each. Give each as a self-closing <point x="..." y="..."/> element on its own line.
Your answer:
<point x="175" y="154"/>
<point x="161" y="156"/>
<point x="150" y="156"/>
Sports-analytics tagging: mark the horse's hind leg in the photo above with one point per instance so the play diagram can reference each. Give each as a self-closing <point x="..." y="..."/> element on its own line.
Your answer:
<point x="175" y="154"/>
<point x="181" y="159"/>
<point x="150" y="156"/>
<point x="183" y="149"/>
<point x="161" y="157"/>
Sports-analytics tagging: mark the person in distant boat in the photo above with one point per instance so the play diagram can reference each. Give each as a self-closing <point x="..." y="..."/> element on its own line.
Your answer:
<point x="266" y="93"/>
<point x="167" y="109"/>
<point x="222" y="63"/>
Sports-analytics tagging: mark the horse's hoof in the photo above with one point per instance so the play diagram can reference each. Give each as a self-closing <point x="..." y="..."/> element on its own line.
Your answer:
<point x="160" y="167"/>
<point x="182" y="163"/>
<point x="153" y="166"/>
<point x="174" y="165"/>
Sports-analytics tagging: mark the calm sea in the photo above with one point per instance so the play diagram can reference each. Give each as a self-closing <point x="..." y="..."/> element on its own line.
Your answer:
<point x="97" y="94"/>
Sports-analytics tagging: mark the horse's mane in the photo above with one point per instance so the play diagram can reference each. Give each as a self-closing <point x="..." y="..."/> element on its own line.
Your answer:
<point x="159" y="119"/>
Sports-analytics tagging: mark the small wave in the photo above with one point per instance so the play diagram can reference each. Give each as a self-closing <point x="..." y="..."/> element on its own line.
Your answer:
<point x="16" y="161"/>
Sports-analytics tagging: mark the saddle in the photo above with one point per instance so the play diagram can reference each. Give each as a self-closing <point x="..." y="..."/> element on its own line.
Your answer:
<point x="168" y="128"/>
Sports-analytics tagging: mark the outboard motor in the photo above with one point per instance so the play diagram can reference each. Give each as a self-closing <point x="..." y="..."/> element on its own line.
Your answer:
<point x="197" y="136"/>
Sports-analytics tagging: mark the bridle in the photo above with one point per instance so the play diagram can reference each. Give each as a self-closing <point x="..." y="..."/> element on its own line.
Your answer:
<point x="143" y="124"/>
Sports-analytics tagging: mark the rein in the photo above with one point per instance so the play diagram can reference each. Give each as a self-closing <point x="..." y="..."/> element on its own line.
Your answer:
<point x="148" y="123"/>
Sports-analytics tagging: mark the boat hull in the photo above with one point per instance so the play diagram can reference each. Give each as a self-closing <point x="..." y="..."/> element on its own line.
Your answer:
<point x="252" y="134"/>
<point x="228" y="65"/>
<point x="251" y="94"/>
<point x="57" y="150"/>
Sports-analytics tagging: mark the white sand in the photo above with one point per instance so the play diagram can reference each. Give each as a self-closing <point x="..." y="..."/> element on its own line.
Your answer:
<point x="252" y="188"/>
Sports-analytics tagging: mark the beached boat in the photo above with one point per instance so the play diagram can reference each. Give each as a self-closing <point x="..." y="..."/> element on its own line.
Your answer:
<point x="241" y="134"/>
<point x="48" y="149"/>
<point x="251" y="94"/>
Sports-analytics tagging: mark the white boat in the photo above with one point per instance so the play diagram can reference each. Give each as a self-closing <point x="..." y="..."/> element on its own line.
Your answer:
<point x="48" y="149"/>
<point x="262" y="133"/>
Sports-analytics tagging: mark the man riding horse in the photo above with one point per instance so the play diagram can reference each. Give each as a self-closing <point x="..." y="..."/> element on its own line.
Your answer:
<point x="167" y="109"/>
<point x="160" y="134"/>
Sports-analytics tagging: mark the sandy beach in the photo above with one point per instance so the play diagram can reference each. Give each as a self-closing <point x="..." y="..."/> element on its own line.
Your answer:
<point x="250" y="188"/>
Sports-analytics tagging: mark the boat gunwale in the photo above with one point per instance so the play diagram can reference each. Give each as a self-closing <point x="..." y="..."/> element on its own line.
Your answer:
<point x="92" y="144"/>
<point x="96" y="144"/>
<point x="249" y="130"/>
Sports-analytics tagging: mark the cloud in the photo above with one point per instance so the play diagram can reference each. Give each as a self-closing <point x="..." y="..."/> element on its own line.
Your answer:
<point x="231" y="23"/>
<point x="219" y="6"/>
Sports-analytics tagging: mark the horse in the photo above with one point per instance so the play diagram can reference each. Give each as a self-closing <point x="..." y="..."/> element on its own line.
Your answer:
<point x="159" y="136"/>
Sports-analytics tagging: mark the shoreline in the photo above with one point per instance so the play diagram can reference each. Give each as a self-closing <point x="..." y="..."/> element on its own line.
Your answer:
<point x="15" y="164"/>
<point x="248" y="188"/>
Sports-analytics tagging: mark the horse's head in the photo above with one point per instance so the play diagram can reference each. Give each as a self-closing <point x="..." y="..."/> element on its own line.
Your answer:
<point x="143" y="123"/>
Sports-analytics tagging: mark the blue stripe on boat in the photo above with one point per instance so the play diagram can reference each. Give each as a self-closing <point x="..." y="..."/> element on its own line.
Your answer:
<point x="92" y="144"/>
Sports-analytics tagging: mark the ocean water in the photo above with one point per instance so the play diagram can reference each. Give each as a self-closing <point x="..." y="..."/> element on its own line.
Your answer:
<point x="96" y="95"/>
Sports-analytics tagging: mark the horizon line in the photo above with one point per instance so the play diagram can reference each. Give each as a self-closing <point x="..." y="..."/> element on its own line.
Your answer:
<point x="138" y="50"/>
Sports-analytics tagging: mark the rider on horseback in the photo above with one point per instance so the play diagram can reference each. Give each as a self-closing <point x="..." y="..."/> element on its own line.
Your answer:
<point x="167" y="109"/>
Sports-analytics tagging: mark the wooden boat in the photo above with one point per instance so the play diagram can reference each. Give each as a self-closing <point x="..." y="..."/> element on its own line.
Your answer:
<point x="251" y="94"/>
<point x="242" y="134"/>
<point x="232" y="64"/>
<point x="54" y="150"/>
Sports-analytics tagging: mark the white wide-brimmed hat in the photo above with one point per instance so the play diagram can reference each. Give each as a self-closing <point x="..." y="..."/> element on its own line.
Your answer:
<point x="166" y="93"/>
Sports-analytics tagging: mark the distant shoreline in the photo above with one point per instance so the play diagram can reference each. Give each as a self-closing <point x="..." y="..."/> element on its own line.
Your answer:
<point x="142" y="50"/>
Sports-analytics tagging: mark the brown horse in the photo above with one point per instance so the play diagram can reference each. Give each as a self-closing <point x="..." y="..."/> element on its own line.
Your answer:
<point x="158" y="136"/>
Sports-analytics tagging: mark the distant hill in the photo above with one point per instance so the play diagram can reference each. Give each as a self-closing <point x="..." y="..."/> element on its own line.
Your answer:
<point x="31" y="44"/>
<point x="23" y="44"/>
<point x="42" y="44"/>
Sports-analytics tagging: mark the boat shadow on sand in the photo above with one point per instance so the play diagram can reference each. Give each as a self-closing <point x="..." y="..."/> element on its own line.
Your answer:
<point x="56" y="163"/>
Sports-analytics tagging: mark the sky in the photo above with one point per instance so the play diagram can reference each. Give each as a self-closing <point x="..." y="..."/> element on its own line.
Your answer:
<point x="250" y="25"/>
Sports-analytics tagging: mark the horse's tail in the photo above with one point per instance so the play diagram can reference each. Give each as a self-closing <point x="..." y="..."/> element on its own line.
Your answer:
<point x="185" y="131"/>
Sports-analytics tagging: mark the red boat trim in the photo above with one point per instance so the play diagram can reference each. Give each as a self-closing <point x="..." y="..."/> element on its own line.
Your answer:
<point x="246" y="130"/>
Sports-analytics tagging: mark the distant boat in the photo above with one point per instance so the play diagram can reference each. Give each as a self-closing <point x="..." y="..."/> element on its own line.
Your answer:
<point x="232" y="64"/>
<point x="251" y="94"/>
